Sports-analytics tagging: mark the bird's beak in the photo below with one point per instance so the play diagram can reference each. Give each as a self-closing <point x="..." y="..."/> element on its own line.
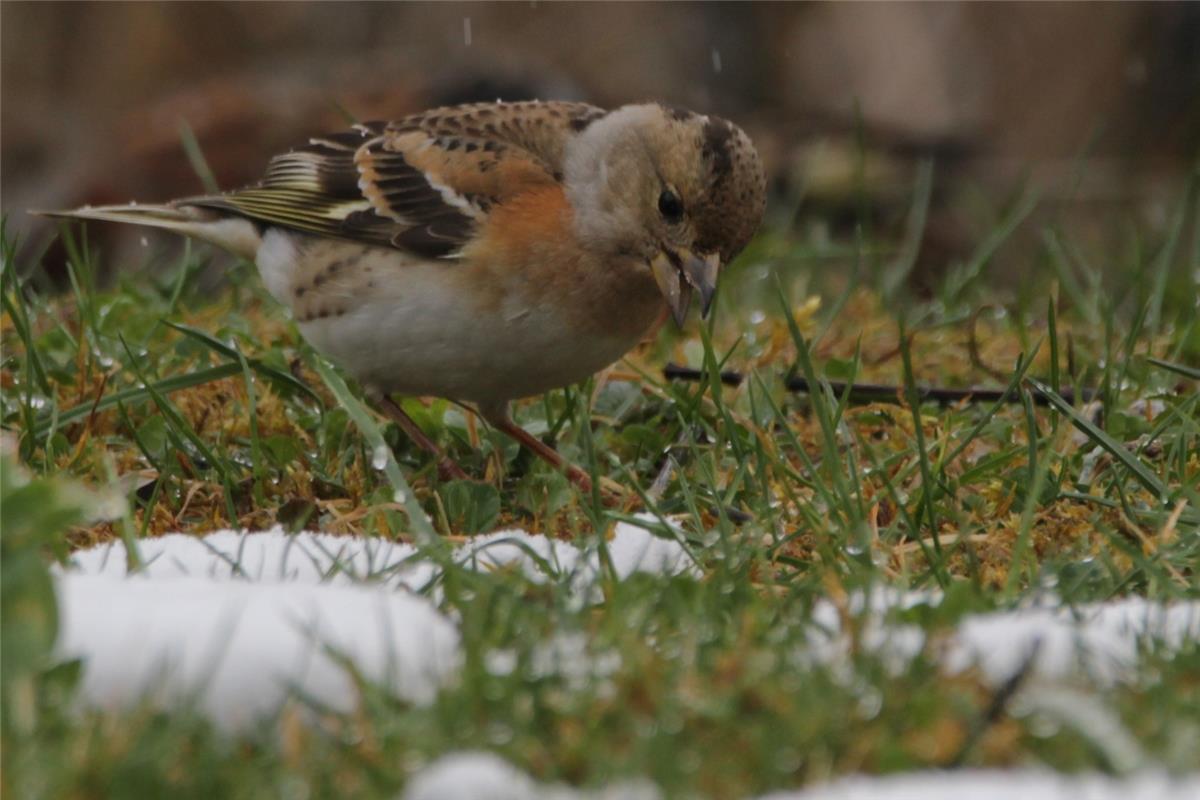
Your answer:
<point x="701" y="273"/>
<point x="677" y="272"/>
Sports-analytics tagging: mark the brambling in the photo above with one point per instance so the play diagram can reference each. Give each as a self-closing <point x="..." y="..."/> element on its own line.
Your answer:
<point x="487" y="252"/>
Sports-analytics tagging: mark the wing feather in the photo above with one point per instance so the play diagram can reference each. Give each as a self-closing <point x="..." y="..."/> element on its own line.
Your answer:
<point x="421" y="184"/>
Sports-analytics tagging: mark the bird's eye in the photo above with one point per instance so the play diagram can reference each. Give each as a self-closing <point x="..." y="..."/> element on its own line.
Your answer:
<point x="670" y="206"/>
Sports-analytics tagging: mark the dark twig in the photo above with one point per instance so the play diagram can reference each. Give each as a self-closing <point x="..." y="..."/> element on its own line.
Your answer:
<point x="676" y="372"/>
<point x="878" y="392"/>
<point x="997" y="705"/>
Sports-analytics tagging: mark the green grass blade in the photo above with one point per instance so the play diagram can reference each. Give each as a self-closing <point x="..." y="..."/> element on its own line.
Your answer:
<point x="145" y="391"/>
<point x="1099" y="437"/>
<point x="912" y="397"/>
<point x="285" y="378"/>
<point x="1178" y="369"/>
<point x="195" y="156"/>
<point x="422" y="527"/>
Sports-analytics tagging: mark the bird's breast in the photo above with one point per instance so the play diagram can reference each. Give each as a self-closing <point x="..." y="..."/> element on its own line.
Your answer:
<point x="496" y="324"/>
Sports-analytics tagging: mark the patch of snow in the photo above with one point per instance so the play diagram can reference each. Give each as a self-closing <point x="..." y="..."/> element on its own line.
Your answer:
<point x="306" y="557"/>
<point x="476" y="775"/>
<point x="469" y="775"/>
<point x="238" y="649"/>
<point x="268" y="557"/>
<point x="479" y="775"/>
<point x="828" y="643"/>
<point x="1100" y="641"/>
<point x="235" y="621"/>
<point x="632" y="549"/>
<point x="1027" y="784"/>
<point x="635" y="549"/>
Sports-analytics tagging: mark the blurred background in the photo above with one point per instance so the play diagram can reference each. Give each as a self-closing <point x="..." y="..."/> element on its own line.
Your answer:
<point x="1093" y="107"/>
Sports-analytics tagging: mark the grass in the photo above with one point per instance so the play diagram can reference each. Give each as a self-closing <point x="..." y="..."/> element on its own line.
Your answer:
<point x="193" y="410"/>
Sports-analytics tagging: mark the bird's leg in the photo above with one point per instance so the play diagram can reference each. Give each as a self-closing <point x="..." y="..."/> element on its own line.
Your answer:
<point x="447" y="468"/>
<point x="611" y="493"/>
<point x="543" y="451"/>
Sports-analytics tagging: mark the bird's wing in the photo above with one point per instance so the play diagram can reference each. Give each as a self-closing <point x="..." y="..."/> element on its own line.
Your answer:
<point x="421" y="184"/>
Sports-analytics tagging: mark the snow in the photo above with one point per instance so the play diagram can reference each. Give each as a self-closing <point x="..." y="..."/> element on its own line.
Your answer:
<point x="239" y="648"/>
<point x="474" y="775"/>
<point x="478" y="775"/>
<point x="1099" y="640"/>
<point x="236" y="622"/>
<point x="268" y="557"/>
<point x="1027" y="784"/>
<point x="276" y="556"/>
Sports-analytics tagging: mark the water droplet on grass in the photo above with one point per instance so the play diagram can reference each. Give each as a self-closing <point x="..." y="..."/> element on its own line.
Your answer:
<point x="379" y="457"/>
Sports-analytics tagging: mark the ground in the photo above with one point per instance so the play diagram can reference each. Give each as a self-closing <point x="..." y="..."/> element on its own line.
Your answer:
<point x="181" y="398"/>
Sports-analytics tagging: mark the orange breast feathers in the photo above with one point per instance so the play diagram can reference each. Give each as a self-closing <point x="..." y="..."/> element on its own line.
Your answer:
<point x="530" y="231"/>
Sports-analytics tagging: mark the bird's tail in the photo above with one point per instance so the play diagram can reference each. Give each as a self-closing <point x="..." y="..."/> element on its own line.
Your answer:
<point x="233" y="233"/>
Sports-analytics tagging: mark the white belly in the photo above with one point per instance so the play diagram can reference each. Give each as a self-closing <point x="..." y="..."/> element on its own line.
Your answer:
<point x="425" y="339"/>
<point x="417" y="328"/>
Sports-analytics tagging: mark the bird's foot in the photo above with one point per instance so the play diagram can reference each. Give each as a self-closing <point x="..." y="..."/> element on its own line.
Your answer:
<point x="611" y="493"/>
<point x="448" y="468"/>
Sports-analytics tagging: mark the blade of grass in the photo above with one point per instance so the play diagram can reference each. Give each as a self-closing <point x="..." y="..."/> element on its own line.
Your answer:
<point x="594" y="509"/>
<point x="195" y="157"/>
<point x="1052" y="327"/>
<point x="258" y="468"/>
<point x="422" y="527"/>
<point x="15" y="304"/>
<point x="818" y="486"/>
<point x="1178" y="369"/>
<point x="176" y="421"/>
<point x="1081" y="301"/>
<point x="1038" y="469"/>
<point x="1097" y="436"/>
<point x="897" y="274"/>
<point x="1163" y="262"/>
<point x="821" y="401"/>
<point x="285" y="378"/>
<point x="961" y="279"/>
<point x="927" y="482"/>
<point x="146" y="390"/>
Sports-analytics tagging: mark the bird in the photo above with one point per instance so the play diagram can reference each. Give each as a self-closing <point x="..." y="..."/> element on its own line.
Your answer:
<point x="487" y="252"/>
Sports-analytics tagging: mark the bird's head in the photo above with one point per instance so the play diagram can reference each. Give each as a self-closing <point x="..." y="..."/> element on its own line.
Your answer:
<point x="678" y="192"/>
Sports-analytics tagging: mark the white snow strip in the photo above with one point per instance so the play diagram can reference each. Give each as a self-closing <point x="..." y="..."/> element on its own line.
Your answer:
<point x="276" y="556"/>
<point x="474" y="775"/>
<point x="1099" y="641"/>
<point x="1001" y="785"/>
<point x="479" y="775"/>
<point x="267" y="557"/>
<point x="237" y="648"/>
<point x="237" y="621"/>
